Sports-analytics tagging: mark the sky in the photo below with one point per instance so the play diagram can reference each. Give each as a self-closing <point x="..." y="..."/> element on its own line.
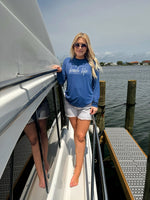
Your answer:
<point x="118" y="29"/>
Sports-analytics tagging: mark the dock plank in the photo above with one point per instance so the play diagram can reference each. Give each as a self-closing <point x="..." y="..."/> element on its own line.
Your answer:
<point x="129" y="159"/>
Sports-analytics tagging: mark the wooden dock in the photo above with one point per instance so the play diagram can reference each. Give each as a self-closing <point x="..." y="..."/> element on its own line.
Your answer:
<point x="129" y="160"/>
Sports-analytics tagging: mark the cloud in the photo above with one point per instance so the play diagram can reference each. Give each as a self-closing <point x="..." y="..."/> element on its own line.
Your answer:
<point x="148" y="53"/>
<point x="108" y="53"/>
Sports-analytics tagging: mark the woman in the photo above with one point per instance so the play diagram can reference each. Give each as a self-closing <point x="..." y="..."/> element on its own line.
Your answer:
<point x="82" y="93"/>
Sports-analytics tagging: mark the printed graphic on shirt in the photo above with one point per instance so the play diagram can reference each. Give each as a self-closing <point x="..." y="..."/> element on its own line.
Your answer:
<point x="83" y="71"/>
<point x="74" y="71"/>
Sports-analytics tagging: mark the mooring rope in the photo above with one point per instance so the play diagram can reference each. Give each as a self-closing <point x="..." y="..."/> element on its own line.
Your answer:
<point x="123" y="104"/>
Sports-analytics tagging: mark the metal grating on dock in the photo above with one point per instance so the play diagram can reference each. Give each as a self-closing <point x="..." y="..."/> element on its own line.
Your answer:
<point x="130" y="161"/>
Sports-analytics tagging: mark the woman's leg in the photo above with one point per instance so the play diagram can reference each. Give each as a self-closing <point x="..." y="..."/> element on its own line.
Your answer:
<point x="73" y="121"/>
<point x="44" y="141"/>
<point x="31" y="133"/>
<point x="80" y="130"/>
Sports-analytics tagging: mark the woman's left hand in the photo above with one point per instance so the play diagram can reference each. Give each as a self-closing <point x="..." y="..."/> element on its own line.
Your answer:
<point x="93" y="110"/>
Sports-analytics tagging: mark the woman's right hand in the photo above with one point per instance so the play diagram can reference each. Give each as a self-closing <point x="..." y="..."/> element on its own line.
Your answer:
<point x="59" y="69"/>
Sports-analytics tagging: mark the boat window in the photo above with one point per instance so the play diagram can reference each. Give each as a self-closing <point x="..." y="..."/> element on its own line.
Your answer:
<point x="21" y="161"/>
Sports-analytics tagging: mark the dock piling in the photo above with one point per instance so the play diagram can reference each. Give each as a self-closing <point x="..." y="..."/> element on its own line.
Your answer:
<point x="130" y="106"/>
<point x="100" y="119"/>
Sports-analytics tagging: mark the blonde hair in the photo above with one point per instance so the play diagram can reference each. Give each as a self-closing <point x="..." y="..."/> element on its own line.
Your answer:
<point x="89" y="55"/>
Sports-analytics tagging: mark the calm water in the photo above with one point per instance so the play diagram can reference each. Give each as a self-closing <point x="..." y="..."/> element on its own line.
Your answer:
<point x="116" y="78"/>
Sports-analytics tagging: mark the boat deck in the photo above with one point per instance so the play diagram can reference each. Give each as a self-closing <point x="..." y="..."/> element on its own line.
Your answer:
<point x="130" y="161"/>
<point x="62" y="171"/>
<point x="60" y="186"/>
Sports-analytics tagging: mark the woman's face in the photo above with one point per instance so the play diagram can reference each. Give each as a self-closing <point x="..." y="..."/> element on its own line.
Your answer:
<point x="80" y="48"/>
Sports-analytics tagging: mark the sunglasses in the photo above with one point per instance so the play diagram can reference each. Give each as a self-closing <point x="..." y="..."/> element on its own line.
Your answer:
<point x="77" y="45"/>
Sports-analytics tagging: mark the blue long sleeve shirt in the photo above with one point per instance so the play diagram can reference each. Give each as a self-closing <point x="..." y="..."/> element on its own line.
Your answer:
<point x="82" y="89"/>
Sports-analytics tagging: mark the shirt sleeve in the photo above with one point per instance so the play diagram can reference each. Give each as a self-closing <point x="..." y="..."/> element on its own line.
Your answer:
<point x="61" y="76"/>
<point x="96" y="90"/>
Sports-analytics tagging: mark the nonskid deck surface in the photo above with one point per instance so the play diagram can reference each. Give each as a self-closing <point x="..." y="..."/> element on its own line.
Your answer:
<point x="129" y="159"/>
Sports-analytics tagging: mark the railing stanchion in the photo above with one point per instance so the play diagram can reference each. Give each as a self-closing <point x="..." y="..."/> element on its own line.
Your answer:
<point x="40" y="147"/>
<point x="56" y="115"/>
<point x="62" y="110"/>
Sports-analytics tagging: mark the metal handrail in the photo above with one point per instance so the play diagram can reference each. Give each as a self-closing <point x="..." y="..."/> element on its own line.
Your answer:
<point x="25" y="106"/>
<point x="23" y="78"/>
<point x="102" y="172"/>
<point x="93" y="158"/>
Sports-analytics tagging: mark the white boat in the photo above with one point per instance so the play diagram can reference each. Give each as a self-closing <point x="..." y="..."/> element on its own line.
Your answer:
<point x="26" y="78"/>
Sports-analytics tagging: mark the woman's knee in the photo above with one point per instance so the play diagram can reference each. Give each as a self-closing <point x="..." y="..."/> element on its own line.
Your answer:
<point x="81" y="138"/>
<point x="33" y="140"/>
<point x="43" y="134"/>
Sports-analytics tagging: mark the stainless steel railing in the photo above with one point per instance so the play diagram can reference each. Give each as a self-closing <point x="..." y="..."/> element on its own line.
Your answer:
<point x="101" y="166"/>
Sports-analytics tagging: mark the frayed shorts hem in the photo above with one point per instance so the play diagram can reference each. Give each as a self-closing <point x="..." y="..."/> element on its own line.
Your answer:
<point x="81" y="113"/>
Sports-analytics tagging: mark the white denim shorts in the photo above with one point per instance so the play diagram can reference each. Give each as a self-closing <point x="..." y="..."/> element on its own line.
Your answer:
<point x="81" y="113"/>
<point x="43" y="111"/>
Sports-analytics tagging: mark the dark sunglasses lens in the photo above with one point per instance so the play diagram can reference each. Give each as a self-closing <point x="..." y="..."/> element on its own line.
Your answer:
<point x="78" y="45"/>
<point x="83" y="45"/>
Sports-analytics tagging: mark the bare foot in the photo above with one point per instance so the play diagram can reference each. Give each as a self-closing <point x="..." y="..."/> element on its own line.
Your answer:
<point x="42" y="180"/>
<point x="74" y="180"/>
<point x="42" y="183"/>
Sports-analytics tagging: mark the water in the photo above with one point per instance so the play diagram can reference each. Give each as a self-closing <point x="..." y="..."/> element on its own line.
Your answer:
<point x="116" y="78"/>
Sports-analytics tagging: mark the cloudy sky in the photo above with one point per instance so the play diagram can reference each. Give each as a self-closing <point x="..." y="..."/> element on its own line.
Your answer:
<point x="118" y="29"/>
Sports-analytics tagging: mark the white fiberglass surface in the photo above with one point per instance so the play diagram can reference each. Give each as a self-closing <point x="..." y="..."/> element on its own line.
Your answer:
<point x="25" y="47"/>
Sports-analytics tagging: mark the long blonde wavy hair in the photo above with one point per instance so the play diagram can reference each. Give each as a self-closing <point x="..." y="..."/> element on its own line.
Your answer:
<point x="89" y="55"/>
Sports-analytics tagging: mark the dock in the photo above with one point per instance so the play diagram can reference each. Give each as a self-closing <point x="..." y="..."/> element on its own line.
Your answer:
<point x="129" y="159"/>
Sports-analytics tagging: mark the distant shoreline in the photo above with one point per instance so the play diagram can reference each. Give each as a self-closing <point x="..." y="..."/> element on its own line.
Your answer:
<point x="121" y="63"/>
